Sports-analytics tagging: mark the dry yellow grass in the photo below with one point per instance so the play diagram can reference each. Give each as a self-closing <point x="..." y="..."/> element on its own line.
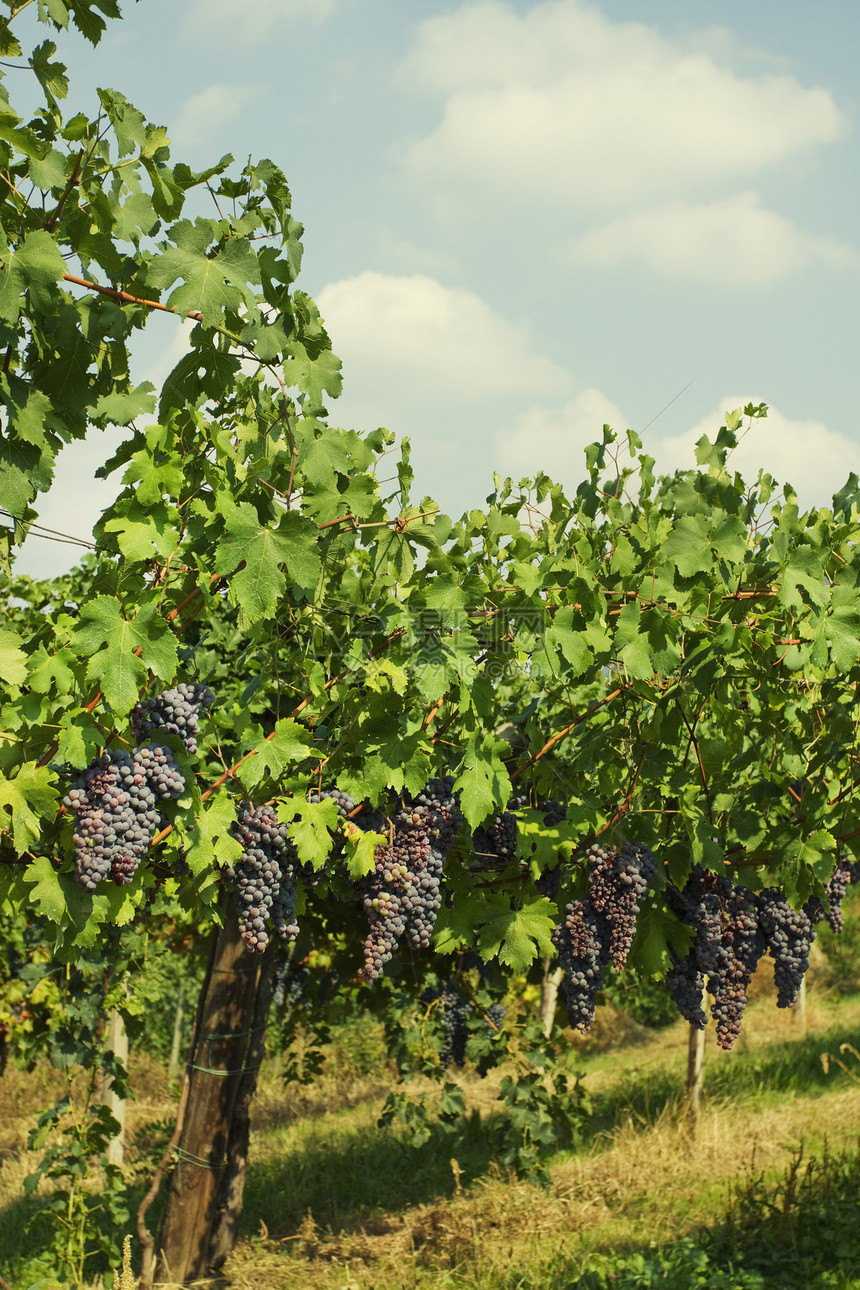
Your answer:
<point x="644" y="1178"/>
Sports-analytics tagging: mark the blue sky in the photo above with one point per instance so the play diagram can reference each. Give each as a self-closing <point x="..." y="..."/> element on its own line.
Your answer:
<point x="525" y="219"/>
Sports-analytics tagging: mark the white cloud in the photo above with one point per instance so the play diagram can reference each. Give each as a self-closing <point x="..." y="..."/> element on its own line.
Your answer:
<point x="733" y="241"/>
<point x="76" y="499"/>
<point x="206" y="113"/>
<point x="554" y="439"/>
<point x="72" y="505"/>
<point x="399" y="336"/>
<point x="807" y="454"/>
<point x="250" y="21"/>
<point x="569" y="105"/>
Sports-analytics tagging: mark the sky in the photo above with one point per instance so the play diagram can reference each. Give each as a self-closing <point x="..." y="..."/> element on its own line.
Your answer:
<point x="523" y="220"/>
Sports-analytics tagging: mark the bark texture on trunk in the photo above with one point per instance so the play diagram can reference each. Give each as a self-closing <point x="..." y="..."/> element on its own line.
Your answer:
<point x="223" y="1051"/>
<point x="695" y="1075"/>
<point x="231" y="1194"/>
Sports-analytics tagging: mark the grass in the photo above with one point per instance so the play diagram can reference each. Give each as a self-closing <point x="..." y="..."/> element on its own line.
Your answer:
<point x="334" y="1203"/>
<point x="331" y="1202"/>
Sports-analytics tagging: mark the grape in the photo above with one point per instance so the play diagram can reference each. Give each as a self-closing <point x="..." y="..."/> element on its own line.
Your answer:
<point x="835" y="888"/>
<point x="115" y="819"/>
<point x="549" y="883"/>
<point x="496" y="839"/>
<point x="582" y="942"/>
<point x="599" y="928"/>
<point x="686" y="985"/>
<point x="455" y="1013"/>
<point x="741" y="945"/>
<point x="175" y="711"/>
<point x="790" y="933"/>
<point x="503" y="835"/>
<point x="264" y="877"/>
<point x="472" y="961"/>
<point x="403" y="894"/>
<point x="345" y="804"/>
<point x="454" y="1010"/>
<point x="290" y="981"/>
<point x="698" y="907"/>
<point x="728" y="942"/>
<point x="496" y="1014"/>
<point x="618" y="882"/>
<point x="553" y="812"/>
<point x="160" y="769"/>
<point x="384" y="906"/>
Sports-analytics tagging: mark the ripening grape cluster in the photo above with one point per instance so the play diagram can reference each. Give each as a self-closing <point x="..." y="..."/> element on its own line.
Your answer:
<point x="290" y="980"/>
<point x="115" y="819"/>
<point x="115" y="800"/>
<point x="454" y="1010"/>
<point x="618" y="882"/>
<point x="345" y="803"/>
<point x="698" y="907"/>
<point x="733" y="928"/>
<point x="264" y="877"/>
<point x="742" y="944"/>
<point x="455" y="1023"/>
<point x="495" y="1017"/>
<point x="497" y="838"/>
<point x="835" y="888"/>
<point x="598" y="928"/>
<point x="403" y="893"/>
<point x="175" y="711"/>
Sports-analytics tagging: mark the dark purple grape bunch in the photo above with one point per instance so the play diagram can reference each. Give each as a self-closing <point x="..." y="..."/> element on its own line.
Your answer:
<point x="835" y="890"/>
<point x="618" y="882"/>
<point x="581" y="940"/>
<point x="175" y="711"/>
<point x="115" y="798"/>
<point x="496" y="839"/>
<point x="728" y="942"/>
<point x="116" y="817"/>
<point x="697" y="906"/>
<point x="403" y="895"/>
<point x="383" y="905"/>
<point x="495" y="1017"/>
<point x="789" y="933"/>
<point x="455" y="1027"/>
<point x="733" y="927"/>
<point x="599" y="928"/>
<point x="264" y="877"/>
<point x="741" y="945"/>
<point x="442" y="806"/>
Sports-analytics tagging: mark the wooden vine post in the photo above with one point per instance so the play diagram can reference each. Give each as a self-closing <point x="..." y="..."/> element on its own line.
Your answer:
<point x="221" y="1076"/>
<point x="695" y="1075"/>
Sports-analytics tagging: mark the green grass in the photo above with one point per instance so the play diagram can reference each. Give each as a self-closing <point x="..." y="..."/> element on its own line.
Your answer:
<point x="334" y="1203"/>
<point x="336" y="1193"/>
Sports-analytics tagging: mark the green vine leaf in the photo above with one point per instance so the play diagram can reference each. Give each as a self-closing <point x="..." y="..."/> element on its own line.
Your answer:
<point x="483" y="781"/>
<point x="277" y="757"/>
<point x="29" y="799"/>
<point x="517" y="936"/>
<point x="130" y="649"/>
<point x="255" y="555"/>
<point x="13" y="660"/>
